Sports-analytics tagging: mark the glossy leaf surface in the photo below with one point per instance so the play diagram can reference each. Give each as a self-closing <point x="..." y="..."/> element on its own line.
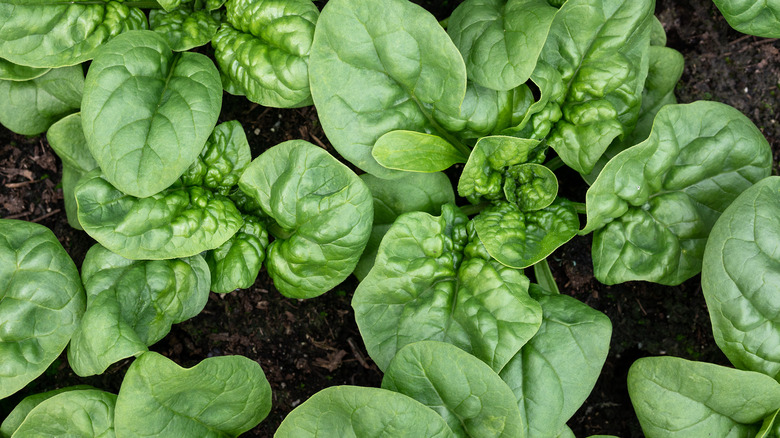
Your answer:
<point x="222" y="160"/>
<point x="14" y="72"/>
<point x="415" y="152"/>
<point x="761" y="18"/>
<point x="80" y="413"/>
<point x="236" y="264"/>
<point x="185" y="28"/>
<point x="20" y="411"/>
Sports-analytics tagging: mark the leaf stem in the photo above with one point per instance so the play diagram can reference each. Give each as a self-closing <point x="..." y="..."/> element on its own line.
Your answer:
<point x="544" y="277"/>
<point x="555" y="163"/>
<point x="472" y="209"/>
<point x="278" y="232"/>
<point x="580" y="207"/>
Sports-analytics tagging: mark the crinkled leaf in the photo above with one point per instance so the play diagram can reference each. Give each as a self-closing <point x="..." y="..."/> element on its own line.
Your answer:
<point x="500" y="39"/>
<point x="597" y="52"/>
<point x="653" y="205"/>
<point x="41" y="302"/>
<point x="465" y="391"/>
<point x="556" y="370"/>
<point x="425" y="192"/>
<point x="132" y="305"/>
<point x="322" y="213"/>
<point x="419" y="290"/>
<point x="378" y="67"/>
<point x="222" y="161"/>
<point x="415" y="152"/>
<point x="220" y="397"/>
<point x="82" y="413"/>
<point x="177" y="222"/>
<point x="353" y="412"/>
<point x="674" y="397"/>
<point x="530" y="186"/>
<point x="236" y="263"/>
<point x="760" y="18"/>
<point x="263" y="50"/>
<point x="14" y="72"/>
<point x="185" y="28"/>
<point x="483" y="174"/>
<point x="147" y="111"/>
<point x="169" y="5"/>
<point x="57" y="34"/>
<point x="30" y="107"/>
<point x="519" y="238"/>
<point x="741" y="279"/>
<point x="20" y="411"/>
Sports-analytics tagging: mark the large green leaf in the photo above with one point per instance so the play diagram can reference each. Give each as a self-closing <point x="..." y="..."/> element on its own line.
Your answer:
<point x="741" y="279"/>
<point x="44" y="33"/>
<point x="78" y="413"/>
<point x="556" y="370"/>
<point x="220" y="397"/>
<point x="381" y="66"/>
<point x="263" y="50"/>
<point x="30" y="107"/>
<point x="41" y="302"/>
<point x="465" y="391"/>
<point x="674" y="397"/>
<point x="653" y="205"/>
<point x="322" y="213"/>
<point x="148" y="111"/>
<point x="761" y="18"/>
<point x="178" y="222"/>
<point x="500" y="39"/>
<point x="596" y="60"/>
<point x="132" y="304"/>
<point x="430" y="283"/>
<point x="356" y="412"/>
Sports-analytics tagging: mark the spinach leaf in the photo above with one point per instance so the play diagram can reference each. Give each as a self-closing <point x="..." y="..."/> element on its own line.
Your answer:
<point x="132" y="304"/>
<point x="14" y="72"/>
<point x="185" y="27"/>
<point x="222" y="160"/>
<point x="433" y="280"/>
<point x="30" y="107"/>
<point x="236" y="264"/>
<point x="352" y="411"/>
<point x="740" y="279"/>
<point x="653" y="205"/>
<point x="41" y="302"/>
<point x="148" y="112"/>
<point x="42" y="33"/>
<point x="322" y="215"/>
<point x="415" y="152"/>
<point x="377" y="67"/>
<point x="76" y="412"/>
<point x="674" y="397"/>
<point x="20" y="411"/>
<point x="465" y="391"/>
<point x="500" y="40"/>
<point x="755" y="18"/>
<point x="219" y="397"/>
<point x="263" y="50"/>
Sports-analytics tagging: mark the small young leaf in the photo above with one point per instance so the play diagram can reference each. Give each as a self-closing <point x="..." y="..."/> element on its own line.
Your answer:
<point x="185" y="28"/>
<point x="14" y="72"/>
<point x="415" y="152"/>
<point x="77" y="413"/>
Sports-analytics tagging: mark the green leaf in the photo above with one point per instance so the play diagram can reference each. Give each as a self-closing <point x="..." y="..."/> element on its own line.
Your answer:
<point x="169" y="5"/>
<point x="14" y="72"/>
<point x="415" y="152"/>
<point x="222" y="161"/>
<point x="219" y="397"/>
<point x="739" y="279"/>
<point x="132" y="305"/>
<point x="653" y="205"/>
<point x="674" y="397"/>
<point x="147" y="112"/>
<point x="595" y="59"/>
<point x="530" y="186"/>
<point x="556" y="370"/>
<point x="185" y="28"/>
<point x="760" y="18"/>
<point x="465" y="391"/>
<point x="420" y="290"/>
<point x="30" y="107"/>
<point x="83" y="413"/>
<point x="178" y="222"/>
<point x="19" y="413"/>
<point x="322" y="213"/>
<point x="353" y="412"/>
<point x="41" y="302"/>
<point x="500" y="40"/>
<point x="236" y="264"/>
<point x="520" y="239"/>
<point x="378" y="67"/>
<point x="263" y="50"/>
<point x="56" y="34"/>
<point x="425" y="192"/>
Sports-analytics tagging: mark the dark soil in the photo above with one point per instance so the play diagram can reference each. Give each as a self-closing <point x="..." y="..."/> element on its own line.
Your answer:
<point x="307" y="345"/>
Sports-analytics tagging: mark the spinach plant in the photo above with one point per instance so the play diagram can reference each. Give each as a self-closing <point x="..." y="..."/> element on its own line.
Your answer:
<point x="754" y="18"/>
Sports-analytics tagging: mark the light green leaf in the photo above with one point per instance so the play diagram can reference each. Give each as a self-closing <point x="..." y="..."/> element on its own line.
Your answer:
<point x="530" y="186"/>
<point x="378" y="67"/>
<point x="322" y="213"/>
<point x="219" y="397"/>
<point x="760" y="18"/>
<point x="500" y="40"/>
<point x="185" y="28"/>
<point x="19" y="413"/>
<point x="236" y="264"/>
<point x="741" y="279"/>
<point x="653" y="205"/>
<point x="147" y="112"/>
<point x="81" y="413"/>
<point x="222" y="161"/>
<point x="14" y="72"/>
<point x="357" y="412"/>
<point x="415" y="152"/>
<point x="465" y="391"/>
